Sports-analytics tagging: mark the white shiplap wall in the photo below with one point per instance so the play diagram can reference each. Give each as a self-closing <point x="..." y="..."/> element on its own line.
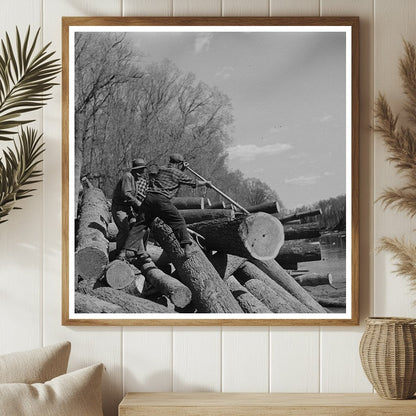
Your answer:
<point x="261" y="359"/>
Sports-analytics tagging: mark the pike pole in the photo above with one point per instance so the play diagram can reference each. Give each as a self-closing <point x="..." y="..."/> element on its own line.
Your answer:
<point x="186" y="164"/>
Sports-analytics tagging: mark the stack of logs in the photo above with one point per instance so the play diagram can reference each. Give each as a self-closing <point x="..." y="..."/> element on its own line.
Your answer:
<point x="237" y="263"/>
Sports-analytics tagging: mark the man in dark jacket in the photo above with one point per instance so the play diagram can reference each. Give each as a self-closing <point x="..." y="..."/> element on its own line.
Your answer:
<point x="158" y="203"/>
<point x="128" y="196"/>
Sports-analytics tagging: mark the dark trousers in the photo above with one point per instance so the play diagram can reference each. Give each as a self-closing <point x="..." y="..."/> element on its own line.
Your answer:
<point x="121" y="216"/>
<point x="157" y="205"/>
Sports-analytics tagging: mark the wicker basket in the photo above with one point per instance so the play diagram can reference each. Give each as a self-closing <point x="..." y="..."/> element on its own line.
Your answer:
<point x="388" y="356"/>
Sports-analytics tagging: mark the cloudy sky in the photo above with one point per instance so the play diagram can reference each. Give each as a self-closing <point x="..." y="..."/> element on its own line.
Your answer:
<point x="288" y="96"/>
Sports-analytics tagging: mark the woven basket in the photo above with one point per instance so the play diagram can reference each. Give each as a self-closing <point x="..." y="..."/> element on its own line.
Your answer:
<point x="388" y="356"/>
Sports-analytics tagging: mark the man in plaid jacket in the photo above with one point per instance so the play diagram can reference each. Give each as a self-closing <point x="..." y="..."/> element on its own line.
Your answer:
<point x="128" y="196"/>
<point x="158" y="203"/>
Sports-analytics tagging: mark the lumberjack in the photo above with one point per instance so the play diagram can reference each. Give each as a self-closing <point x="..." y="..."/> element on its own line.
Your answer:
<point x="158" y="203"/>
<point x="128" y="196"/>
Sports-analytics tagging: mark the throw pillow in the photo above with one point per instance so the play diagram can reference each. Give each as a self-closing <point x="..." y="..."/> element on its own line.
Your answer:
<point x="35" y="366"/>
<point x="73" y="394"/>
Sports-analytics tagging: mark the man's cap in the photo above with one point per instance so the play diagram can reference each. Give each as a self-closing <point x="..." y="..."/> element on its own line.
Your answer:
<point x="176" y="158"/>
<point x="138" y="164"/>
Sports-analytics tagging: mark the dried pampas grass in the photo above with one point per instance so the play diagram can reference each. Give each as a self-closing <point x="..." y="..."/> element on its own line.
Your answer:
<point x="401" y="143"/>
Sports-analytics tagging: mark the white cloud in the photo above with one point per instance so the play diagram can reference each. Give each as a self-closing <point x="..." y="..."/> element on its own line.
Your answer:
<point x="298" y="156"/>
<point x="325" y="118"/>
<point x="225" y="72"/>
<point x="202" y="42"/>
<point x="248" y="152"/>
<point x="303" y="180"/>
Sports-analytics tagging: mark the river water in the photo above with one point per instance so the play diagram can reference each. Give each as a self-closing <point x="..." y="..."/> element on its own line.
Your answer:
<point x="333" y="249"/>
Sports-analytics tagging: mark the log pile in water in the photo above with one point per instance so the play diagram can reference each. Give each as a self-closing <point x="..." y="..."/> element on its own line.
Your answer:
<point x="302" y="231"/>
<point x="235" y="271"/>
<point x="299" y="215"/>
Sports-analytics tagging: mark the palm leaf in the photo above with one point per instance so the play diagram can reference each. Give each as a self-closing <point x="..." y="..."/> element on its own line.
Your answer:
<point x="18" y="170"/>
<point x="25" y="79"/>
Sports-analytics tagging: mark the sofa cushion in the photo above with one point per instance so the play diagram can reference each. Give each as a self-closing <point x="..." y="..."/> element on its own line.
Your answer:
<point x="35" y="366"/>
<point x="73" y="394"/>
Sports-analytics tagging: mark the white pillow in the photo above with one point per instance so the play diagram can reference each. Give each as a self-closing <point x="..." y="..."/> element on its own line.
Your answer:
<point x="35" y="366"/>
<point x="73" y="394"/>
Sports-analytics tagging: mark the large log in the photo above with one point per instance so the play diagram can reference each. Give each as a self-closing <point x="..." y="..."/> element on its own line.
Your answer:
<point x="91" y="254"/>
<point x="119" y="274"/>
<point x="177" y="292"/>
<point x="137" y="287"/>
<point x="218" y="205"/>
<point x="190" y="202"/>
<point x="332" y="303"/>
<point x="314" y="279"/>
<point x="248" y="302"/>
<point x="129" y="303"/>
<point x="276" y="298"/>
<point x="257" y="235"/>
<point x="279" y="275"/>
<point x="159" y="257"/>
<point x="90" y="304"/>
<point x="299" y="251"/>
<point x="268" y="207"/>
<point x="300" y="215"/>
<point x="302" y="231"/>
<point x="192" y="216"/>
<point x="274" y="302"/>
<point x="226" y="264"/>
<point x="209" y="292"/>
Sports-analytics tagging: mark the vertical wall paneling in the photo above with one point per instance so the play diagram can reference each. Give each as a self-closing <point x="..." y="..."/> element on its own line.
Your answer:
<point x="245" y="8"/>
<point x="196" y="359"/>
<point x="394" y="21"/>
<point x="348" y="375"/>
<point x="341" y="370"/>
<point x="245" y="359"/>
<point x="197" y="7"/>
<point x="147" y="7"/>
<point x="295" y="352"/>
<point x="294" y="8"/>
<point x="147" y="359"/>
<point x="21" y="237"/>
<point x="89" y="344"/>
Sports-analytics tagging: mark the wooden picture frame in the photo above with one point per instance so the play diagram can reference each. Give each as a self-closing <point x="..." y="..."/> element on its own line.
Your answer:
<point x="344" y="28"/>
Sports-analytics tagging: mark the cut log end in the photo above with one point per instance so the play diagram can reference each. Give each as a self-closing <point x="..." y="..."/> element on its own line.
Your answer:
<point x="119" y="274"/>
<point x="90" y="262"/>
<point x="264" y="235"/>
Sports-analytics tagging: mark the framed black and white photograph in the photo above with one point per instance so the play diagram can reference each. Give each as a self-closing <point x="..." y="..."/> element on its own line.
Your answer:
<point x="210" y="171"/>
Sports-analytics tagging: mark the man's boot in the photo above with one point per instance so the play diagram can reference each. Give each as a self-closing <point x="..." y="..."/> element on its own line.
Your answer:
<point x="121" y="255"/>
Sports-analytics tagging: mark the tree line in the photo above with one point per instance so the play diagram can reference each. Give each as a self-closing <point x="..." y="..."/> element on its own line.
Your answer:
<point x="127" y="108"/>
<point x="333" y="213"/>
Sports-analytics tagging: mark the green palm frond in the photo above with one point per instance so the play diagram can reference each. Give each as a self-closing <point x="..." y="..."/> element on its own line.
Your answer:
<point x="25" y="79"/>
<point x="19" y="170"/>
